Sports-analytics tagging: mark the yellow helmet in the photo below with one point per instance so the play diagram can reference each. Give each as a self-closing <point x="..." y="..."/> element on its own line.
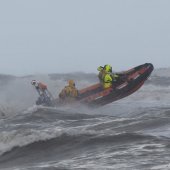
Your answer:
<point x="108" y="68"/>
<point x="71" y="83"/>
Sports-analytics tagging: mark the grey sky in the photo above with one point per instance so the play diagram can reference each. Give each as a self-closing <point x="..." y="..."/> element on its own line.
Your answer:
<point x="48" y="36"/>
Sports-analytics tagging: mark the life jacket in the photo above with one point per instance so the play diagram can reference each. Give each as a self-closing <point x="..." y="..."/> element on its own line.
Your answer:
<point x="107" y="80"/>
<point x="42" y="86"/>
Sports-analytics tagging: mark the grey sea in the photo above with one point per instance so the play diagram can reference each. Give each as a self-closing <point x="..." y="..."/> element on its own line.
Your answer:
<point x="130" y="134"/>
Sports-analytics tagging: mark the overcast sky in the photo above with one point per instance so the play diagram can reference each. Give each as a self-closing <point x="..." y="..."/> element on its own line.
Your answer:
<point x="55" y="36"/>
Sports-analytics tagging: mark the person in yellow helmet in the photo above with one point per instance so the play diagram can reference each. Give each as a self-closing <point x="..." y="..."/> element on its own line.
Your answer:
<point x="106" y="76"/>
<point x="69" y="93"/>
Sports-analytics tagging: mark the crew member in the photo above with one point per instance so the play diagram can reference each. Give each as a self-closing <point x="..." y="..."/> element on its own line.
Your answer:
<point x="40" y="87"/>
<point x="106" y="76"/>
<point x="69" y="93"/>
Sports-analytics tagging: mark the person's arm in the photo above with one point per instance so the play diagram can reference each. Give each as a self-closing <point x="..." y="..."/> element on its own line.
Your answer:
<point x="100" y="68"/>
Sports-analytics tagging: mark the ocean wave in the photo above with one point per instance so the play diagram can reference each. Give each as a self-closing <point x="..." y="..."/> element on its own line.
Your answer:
<point x="24" y="137"/>
<point x="31" y="139"/>
<point x="67" y="146"/>
<point x="67" y="124"/>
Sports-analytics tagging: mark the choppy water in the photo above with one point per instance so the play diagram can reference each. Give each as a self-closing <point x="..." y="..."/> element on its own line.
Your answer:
<point x="131" y="134"/>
